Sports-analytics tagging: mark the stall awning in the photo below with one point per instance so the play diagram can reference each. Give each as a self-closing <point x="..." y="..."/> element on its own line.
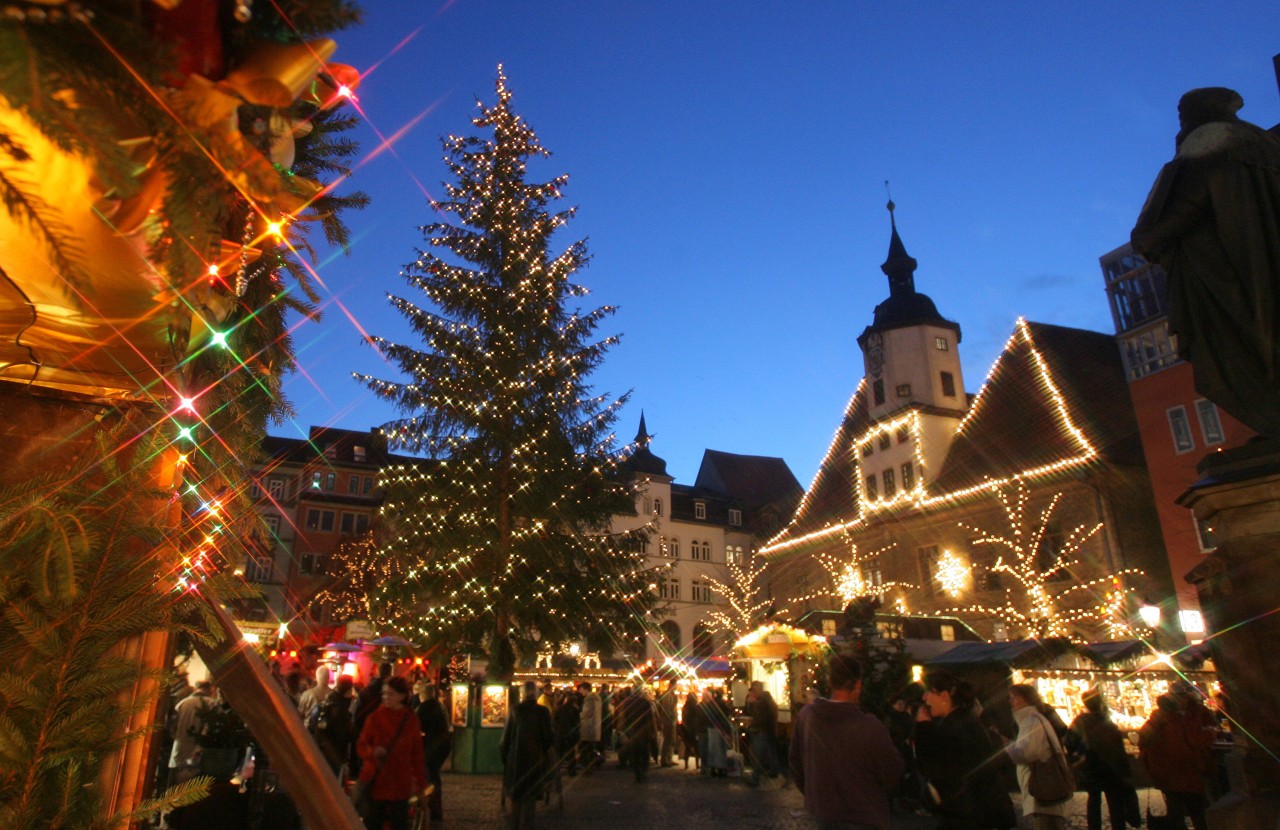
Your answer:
<point x="1015" y="653"/>
<point x="1113" y="652"/>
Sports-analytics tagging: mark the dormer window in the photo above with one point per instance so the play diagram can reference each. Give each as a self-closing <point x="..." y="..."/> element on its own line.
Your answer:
<point x="359" y="454"/>
<point x="735" y="517"/>
<point x="700" y="510"/>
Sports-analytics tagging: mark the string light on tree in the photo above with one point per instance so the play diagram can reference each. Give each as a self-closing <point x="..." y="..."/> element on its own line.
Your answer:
<point x="504" y="530"/>
<point x="1049" y="598"/>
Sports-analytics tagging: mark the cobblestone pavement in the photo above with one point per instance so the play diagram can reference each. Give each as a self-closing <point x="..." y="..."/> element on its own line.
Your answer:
<point x="670" y="799"/>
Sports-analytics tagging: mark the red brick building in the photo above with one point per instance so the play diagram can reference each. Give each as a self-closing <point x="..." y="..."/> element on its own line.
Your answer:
<point x="1178" y="427"/>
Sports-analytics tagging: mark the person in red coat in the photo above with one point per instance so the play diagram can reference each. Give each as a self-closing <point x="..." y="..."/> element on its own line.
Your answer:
<point x="390" y="746"/>
<point x="1177" y="748"/>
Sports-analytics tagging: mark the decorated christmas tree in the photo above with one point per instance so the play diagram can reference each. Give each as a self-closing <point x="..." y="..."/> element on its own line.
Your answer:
<point x="507" y="531"/>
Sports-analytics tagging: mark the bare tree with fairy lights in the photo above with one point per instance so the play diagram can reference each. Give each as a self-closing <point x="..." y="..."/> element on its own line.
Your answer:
<point x="1052" y="595"/>
<point x="745" y="603"/>
<point x="507" y="533"/>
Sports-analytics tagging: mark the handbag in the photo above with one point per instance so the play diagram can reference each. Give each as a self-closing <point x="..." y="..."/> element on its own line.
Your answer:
<point x="362" y="792"/>
<point x="1051" y="780"/>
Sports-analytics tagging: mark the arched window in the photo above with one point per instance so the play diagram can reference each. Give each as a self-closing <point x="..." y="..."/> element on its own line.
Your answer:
<point x="657" y="507"/>
<point x="704" y="642"/>
<point x="671" y="636"/>
<point x="673" y="548"/>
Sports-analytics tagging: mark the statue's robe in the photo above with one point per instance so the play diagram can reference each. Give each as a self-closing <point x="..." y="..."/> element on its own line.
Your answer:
<point x="1212" y="222"/>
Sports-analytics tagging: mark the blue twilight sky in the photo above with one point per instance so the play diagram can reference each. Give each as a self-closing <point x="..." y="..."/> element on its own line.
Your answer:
<point x="729" y="160"/>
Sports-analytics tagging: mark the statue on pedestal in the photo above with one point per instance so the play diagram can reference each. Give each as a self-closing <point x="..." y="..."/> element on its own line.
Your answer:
<point x="1212" y="222"/>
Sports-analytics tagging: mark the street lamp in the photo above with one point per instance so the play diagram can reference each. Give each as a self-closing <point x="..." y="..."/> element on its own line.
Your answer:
<point x="1149" y="614"/>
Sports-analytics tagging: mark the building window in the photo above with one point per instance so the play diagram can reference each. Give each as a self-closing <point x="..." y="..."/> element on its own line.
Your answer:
<point x="927" y="565"/>
<point x="867" y="449"/>
<point x="255" y="492"/>
<point x="348" y="525"/>
<point x="940" y="343"/>
<point x="700" y="591"/>
<point x="273" y="525"/>
<point x="700" y="550"/>
<point x="646" y="506"/>
<point x="368" y="485"/>
<point x="257" y="569"/>
<point x="657" y="507"/>
<point x="873" y="488"/>
<point x="885" y="441"/>
<point x="673" y="548"/>
<point x="947" y="632"/>
<point x="1192" y="621"/>
<point x="948" y="384"/>
<point x="1147" y="351"/>
<point x="353" y="485"/>
<point x="904" y="390"/>
<point x="908" y="476"/>
<point x="307" y="564"/>
<point x="735" y="517"/>
<point x="1205" y="535"/>
<point x="362" y="523"/>
<point x="1180" y="426"/>
<point x="699" y="510"/>
<point x="359" y="454"/>
<point x="733" y="554"/>
<point x="904" y="434"/>
<point x="321" y="520"/>
<point x="877" y="392"/>
<point x="275" y="488"/>
<point x="1210" y="423"/>
<point x="889" y="487"/>
<point x="669" y="587"/>
<point x="317" y="480"/>
<point x="828" y="628"/>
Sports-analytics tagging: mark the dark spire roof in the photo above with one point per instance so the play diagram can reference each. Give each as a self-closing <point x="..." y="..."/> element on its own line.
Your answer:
<point x="642" y="460"/>
<point x="899" y="267"/>
<point x="905" y="306"/>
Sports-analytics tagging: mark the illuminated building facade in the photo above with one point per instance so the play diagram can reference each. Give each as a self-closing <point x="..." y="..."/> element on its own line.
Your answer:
<point x="313" y="494"/>
<point x="696" y="532"/>
<point x="1024" y="509"/>
<point x="1178" y="426"/>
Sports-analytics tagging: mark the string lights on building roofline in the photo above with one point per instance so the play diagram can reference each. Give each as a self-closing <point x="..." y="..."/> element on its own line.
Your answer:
<point x="832" y="449"/>
<point x="920" y="498"/>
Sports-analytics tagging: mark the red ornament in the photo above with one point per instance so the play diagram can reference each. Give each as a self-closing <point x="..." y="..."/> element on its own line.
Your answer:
<point x="192" y="26"/>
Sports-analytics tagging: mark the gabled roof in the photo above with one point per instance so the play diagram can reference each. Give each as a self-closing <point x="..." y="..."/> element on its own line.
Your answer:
<point x="832" y="497"/>
<point x="751" y="481"/>
<point x="1055" y="396"/>
<point x="1056" y="399"/>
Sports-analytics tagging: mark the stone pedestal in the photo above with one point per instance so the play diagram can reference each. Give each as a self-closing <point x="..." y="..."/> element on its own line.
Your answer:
<point x="1239" y="588"/>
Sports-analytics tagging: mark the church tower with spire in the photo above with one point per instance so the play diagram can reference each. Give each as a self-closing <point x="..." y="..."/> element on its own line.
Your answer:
<point x="914" y="386"/>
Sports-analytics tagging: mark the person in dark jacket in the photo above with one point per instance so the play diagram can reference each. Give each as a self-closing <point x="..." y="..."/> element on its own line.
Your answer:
<point x="956" y="756"/>
<point x="1106" y="765"/>
<point x="568" y="720"/>
<point x="526" y="744"/>
<point x="691" y="728"/>
<point x="842" y="758"/>
<point x="437" y="741"/>
<point x="335" y="730"/>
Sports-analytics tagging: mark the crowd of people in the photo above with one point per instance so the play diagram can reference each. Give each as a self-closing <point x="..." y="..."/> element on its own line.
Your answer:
<point x="936" y="751"/>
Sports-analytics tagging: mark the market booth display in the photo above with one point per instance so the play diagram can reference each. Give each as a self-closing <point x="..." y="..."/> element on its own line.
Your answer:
<point x="784" y="659"/>
<point x="1129" y="673"/>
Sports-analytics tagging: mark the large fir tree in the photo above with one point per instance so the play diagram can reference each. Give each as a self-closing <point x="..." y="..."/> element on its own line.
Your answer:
<point x="508" y="531"/>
